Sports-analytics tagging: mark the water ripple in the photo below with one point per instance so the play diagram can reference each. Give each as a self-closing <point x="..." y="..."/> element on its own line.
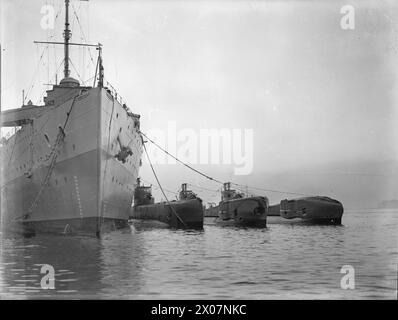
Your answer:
<point x="284" y="261"/>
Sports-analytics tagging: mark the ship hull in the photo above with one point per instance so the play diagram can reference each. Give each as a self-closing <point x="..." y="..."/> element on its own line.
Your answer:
<point x="81" y="226"/>
<point x="89" y="191"/>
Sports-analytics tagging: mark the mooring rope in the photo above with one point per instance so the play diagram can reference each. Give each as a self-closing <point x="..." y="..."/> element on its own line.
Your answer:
<point x="161" y="188"/>
<point x="217" y="180"/>
<point x="183" y="163"/>
<point x="53" y="156"/>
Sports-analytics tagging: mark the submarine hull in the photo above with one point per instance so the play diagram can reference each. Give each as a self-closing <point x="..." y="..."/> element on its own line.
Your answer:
<point x="250" y="211"/>
<point x="185" y="214"/>
<point x="316" y="210"/>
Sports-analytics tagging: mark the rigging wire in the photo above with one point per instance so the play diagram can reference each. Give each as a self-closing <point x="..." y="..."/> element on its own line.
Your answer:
<point x="35" y="73"/>
<point x="157" y="188"/>
<point x="160" y="186"/>
<point x="178" y="160"/>
<point x="47" y="47"/>
<point x="53" y="77"/>
<point x="60" y="138"/>
<point x="203" y="188"/>
<point x="216" y="180"/>
<point x="39" y="131"/>
<point x="276" y="191"/>
<point x="87" y="80"/>
<point x="77" y="72"/>
<point x="83" y="34"/>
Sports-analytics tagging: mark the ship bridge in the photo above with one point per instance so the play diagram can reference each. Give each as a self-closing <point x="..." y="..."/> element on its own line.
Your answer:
<point x="20" y="116"/>
<point x="57" y="95"/>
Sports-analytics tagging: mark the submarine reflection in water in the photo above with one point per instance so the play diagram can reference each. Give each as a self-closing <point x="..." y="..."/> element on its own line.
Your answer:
<point x="186" y="213"/>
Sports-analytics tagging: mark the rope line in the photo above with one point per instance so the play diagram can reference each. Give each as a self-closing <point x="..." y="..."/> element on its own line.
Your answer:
<point x="53" y="77"/>
<point x="203" y="188"/>
<point x="157" y="188"/>
<point x="82" y="32"/>
<point x="273" y="190"/>
<point x="54" y="154"/>
<point x="216" y="180"/>
<point x="178" y="160"/>
<point x="35" y="73"/>
<point x="100" y="218"/>
<point x="160" y="186"/>
<point x="39" y="131"/>
<point x="77" y="72"/>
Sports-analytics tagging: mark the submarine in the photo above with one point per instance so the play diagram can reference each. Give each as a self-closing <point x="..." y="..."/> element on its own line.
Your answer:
<point x="236" y="209"/>
<point x="317" y="210"/>
<point x="185" y="213"/>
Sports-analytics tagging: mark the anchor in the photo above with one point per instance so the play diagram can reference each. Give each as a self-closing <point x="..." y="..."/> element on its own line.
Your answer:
<point x="124" y="152"/>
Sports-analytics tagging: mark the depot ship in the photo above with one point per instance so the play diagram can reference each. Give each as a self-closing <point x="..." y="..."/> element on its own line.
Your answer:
<point x="73" y="164"/>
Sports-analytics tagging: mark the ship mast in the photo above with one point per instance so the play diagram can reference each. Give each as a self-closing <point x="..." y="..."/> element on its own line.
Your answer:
<point x="68" y="81"/>
<point x="67" y="36"/>
<point x="0" y="85"/>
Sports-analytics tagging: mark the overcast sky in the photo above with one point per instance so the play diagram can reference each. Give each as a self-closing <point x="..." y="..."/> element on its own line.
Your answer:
<point x="313" y="93"/>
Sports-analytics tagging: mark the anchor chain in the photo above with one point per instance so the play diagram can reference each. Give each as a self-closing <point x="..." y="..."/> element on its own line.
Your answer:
<point x="53" y="156"/>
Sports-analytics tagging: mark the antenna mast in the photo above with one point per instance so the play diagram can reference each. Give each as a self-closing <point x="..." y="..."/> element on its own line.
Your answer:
<point x="67" y="36"/>
<point x="0" y="85"/>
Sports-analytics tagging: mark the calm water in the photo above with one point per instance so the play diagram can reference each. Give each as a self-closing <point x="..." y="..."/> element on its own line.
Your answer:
<point x="284" y="261"/>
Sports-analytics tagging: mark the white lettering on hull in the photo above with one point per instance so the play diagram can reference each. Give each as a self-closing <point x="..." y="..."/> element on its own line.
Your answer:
<point x="79" y="203"/>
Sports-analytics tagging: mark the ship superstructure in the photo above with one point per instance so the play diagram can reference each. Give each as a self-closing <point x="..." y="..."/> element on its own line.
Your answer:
<point x="72" y="166"/>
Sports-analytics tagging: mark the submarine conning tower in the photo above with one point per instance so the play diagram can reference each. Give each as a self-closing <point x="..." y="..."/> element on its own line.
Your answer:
<point x="143" y="194"/>
<point x="186" y="194"/>
<point x="228" y="194"/>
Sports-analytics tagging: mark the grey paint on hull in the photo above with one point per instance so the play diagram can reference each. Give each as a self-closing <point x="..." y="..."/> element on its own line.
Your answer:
<point x="87" y="182"/>
<point x="244" y="211"/>
<point x="189" y="211"/>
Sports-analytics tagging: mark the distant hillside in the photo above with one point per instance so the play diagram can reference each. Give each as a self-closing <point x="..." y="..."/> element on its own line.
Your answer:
<point x="388" y="204"/>
<point x="358" y="185"/>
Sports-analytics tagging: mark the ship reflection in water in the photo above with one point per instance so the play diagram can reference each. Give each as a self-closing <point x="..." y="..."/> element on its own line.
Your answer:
<point x="146" y="262"/>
